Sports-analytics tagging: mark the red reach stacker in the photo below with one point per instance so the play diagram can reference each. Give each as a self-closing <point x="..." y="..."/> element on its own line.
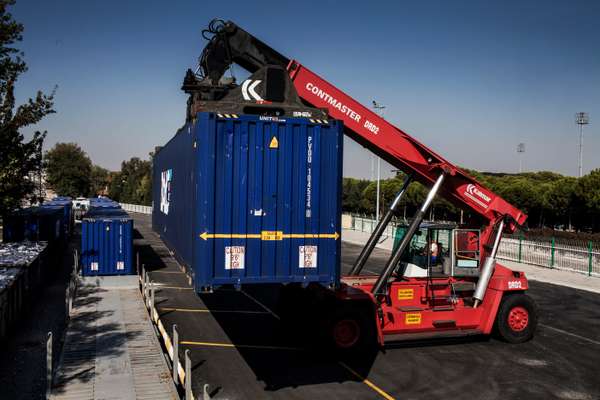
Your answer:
<point x="441" y="279"/>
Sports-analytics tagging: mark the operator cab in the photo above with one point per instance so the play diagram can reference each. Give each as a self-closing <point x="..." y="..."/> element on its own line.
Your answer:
<point x="439" y="250"/>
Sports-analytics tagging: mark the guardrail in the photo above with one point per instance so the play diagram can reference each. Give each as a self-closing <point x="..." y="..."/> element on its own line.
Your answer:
<point x="181" y="369"/>
<point x="570" y="255"/>
<point x="136" y="208"/>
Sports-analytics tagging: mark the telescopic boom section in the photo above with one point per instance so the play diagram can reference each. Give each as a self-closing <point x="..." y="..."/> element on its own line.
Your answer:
<point x="400" y="149"/>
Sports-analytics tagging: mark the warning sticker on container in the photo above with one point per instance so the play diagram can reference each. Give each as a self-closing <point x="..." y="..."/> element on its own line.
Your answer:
<point x="234" y="257"/>
<point x="307" y="257"/>
<point x="94" y="266"/>
<point x="120" y="265"/>
<point x="412" y="319"/>
<point x="406" y="294"/>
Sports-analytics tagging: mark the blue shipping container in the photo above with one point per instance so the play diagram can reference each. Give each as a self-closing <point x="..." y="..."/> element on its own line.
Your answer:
<point x="67" y="208"/>
<point x="251" y="199"/>
<point x="103" y="202"/>
<point x="107" y="243"/>
<point x="35" y="224"/>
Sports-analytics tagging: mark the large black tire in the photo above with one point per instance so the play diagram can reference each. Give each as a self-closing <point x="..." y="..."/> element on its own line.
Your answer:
<point x="352" y="330"/>
<point x="517" y="317"/>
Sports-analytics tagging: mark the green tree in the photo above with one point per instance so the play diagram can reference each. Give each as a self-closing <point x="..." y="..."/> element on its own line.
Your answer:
<point x="99" y="180"/>
<point x="20" y="160"/>
<point x="561" y="201"/>
<point x="587" y="194"/>
<point x="133" y="184"/>
<point x="68" y="170"/>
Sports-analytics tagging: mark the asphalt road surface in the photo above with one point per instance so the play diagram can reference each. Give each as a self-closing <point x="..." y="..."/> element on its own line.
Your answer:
<point x="239" y="348"/>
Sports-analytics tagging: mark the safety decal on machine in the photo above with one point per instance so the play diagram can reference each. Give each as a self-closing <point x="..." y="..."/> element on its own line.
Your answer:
<point x="234" y="257"/>
<point x="412" y="318"/>
<point x="406" y="294"/>
<point x="307" y="257"/>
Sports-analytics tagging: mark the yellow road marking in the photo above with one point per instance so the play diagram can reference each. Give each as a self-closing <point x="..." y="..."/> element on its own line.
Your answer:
<point x="346" y="367"/>
<point x="244" y="346"/>
<point x="205" y="310"/>
<point x="367" y="382"/>
<point x="269" y="235"/>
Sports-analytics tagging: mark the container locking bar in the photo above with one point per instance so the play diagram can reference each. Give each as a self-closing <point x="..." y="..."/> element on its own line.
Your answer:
<point x="405" y="242"/>
<point x="488" y="268"/>
<point x="379" y="229"/>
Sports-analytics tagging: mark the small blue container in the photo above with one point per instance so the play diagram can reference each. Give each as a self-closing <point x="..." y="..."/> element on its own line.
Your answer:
<point x="249" y="199"/>
<point x="103" y="202"/>
<point x="107" y="242"/>
<point x="67" y="208"/>
<point x="35" y="224"/>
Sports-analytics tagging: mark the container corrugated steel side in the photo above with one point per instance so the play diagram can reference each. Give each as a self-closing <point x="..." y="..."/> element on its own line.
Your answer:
<point x="67" y="208"/>
<point x="252" y="199"/>
<point x="19" y="282"/>
<point x="35" y="224"/>
<point x="107" y="243"/>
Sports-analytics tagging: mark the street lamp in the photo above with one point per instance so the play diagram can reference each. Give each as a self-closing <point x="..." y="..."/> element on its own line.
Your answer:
<point x="520" y="151"/>
<point x="581" y="119"/>
<point x="378" y="109"/>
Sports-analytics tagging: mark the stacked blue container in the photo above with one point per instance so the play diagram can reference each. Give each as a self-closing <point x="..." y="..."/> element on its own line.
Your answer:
<point x="35" y="224"/>
<point x="107" y="242"/>
<point x="103" y="202"/>
<point x="66" y="207"/>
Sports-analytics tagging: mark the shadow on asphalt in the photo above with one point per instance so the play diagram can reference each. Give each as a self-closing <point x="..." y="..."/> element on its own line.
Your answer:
<point x="280" y="357"/>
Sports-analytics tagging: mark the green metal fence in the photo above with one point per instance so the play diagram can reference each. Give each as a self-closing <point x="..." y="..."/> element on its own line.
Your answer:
<point x="572" y="255"/>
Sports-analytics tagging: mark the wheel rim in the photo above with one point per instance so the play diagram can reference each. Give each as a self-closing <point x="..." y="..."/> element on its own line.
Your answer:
<point x="346" y="333"/>
<point x="518" y="319"/>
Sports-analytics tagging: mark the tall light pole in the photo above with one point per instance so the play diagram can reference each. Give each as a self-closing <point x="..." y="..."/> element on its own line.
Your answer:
<point x="581" y="119"/>
<point x="378" y="109"/>
<point x="520" y="151"/>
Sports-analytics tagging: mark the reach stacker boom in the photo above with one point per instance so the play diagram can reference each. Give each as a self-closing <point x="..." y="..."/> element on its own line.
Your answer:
<point x="441" y="279"/>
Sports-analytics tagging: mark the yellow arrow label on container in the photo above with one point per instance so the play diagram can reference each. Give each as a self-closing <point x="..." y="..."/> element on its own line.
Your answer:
<point x="274" y="143"/>
<point x="269" y="235"/>
<point x="207" y="236"/>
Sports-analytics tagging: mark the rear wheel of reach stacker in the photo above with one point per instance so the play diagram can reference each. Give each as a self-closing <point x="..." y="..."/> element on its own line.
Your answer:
<point x="517" y="318"/>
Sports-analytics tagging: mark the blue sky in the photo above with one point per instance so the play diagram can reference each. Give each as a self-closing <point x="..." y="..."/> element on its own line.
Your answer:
<point x="471" y="79"/>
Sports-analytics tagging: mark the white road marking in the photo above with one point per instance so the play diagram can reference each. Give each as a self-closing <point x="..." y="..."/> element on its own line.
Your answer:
<point x="571" y="334"/>
<point x="260" y="304"/>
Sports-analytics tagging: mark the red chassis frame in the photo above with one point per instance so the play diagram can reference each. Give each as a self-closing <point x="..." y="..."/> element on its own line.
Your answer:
<point x="409" y="309"/>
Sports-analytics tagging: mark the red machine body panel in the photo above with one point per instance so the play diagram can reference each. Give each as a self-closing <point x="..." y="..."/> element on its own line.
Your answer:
<point x="421" y="305"/>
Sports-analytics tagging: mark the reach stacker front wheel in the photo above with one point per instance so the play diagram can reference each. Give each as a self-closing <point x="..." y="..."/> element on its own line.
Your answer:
<point x="517" y="318"/>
